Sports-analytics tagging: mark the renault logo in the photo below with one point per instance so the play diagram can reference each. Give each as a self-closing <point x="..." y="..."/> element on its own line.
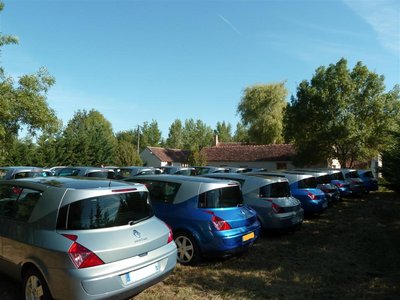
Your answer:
<point x="136" y="234"/>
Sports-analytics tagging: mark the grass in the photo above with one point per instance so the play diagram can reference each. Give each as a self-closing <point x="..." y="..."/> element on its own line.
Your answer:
<point x="351" y="251"/>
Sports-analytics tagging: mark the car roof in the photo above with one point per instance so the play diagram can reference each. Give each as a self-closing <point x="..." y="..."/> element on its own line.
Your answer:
<point x="70" y="182"/>
<point x="245" y="176"/>
<point x="190" y="186"/>
<point x="291" y="177"/>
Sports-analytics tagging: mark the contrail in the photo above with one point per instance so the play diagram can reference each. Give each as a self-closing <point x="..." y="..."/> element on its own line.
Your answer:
<point x="230" y="24"/>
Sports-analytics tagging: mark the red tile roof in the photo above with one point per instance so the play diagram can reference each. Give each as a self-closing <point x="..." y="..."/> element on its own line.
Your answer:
<point x="170" y="155"/>
<point x="273" y="152"/>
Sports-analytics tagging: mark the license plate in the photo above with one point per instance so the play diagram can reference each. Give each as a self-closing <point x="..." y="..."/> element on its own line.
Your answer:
<point x="248" y="236"/>
<point x="140" y="274"/>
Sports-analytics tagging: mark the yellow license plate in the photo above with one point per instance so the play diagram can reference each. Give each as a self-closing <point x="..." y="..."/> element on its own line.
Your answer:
<point x="248" y="236"/>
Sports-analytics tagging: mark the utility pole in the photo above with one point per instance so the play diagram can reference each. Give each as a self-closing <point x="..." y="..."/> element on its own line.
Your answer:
<point x="138" y="139"/>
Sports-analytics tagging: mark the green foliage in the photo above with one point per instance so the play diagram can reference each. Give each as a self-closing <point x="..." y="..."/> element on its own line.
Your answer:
<point x="261" y="109"/>
<point x="197" y="135"/>
<point x="197" y="158"/>
<point x="241" y="134"/>
<point x="22" y="153"/>
<point x="150" y="135"/>
<point x="391" y="161"/>
<point x="341" y="114"/>
<point x="224" y="131"/>
<point x="88" y="140"/>
<point x="23" y="104"/>
<point x="175" y="135"/>
<point x="126" y="155"/>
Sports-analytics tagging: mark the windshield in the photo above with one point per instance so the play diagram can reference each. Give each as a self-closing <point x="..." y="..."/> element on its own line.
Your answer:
<point x="352" y="174"/>
<point x="307" y="183"/>
<point x="105" y="211"/>
<point x="324" y="179"/>
<point x="275" y="190"/>
<point x="223" y="197"/>
<point x="337" y="176"/>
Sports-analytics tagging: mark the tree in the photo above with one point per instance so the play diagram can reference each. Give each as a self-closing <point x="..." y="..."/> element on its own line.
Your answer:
<point x="150" y="135"/>
<point x="22" y="153"/>
<point x="23" y="104"/>
<point x="88" y="139"/>
<point x="175" y="135"/>
<point x="241" y="134"/>
<point x="341" y="114"/>
<point x="261" y="110"/>
<point x="391" y="160"/>
<point x="197" y="135"/>
<point x="126" y="155"/>
<point x="224" y="131"/>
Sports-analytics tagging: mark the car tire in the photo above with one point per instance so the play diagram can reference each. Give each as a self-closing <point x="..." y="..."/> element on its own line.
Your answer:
<point x="35" y="286"/>
<point x="188" y="251"/>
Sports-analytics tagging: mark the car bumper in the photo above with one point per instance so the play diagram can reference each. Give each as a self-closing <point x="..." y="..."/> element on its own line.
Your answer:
<point x="233" y="241"/>
<point x="284" y="220"/>
<point x="116" y="280"/>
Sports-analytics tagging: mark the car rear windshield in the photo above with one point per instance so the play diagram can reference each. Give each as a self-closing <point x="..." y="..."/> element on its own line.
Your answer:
<point x="105" y="211"/>
<point x="323" y="179"/>
<point x="275" y="190"/>
<point x="223" y="197"/>
<point x="307" y="183"/>
<point x="101" y="174"/>
<point x="352" y="174"/>
<point x="337" y="176"/>
<point x="368" y="174"/>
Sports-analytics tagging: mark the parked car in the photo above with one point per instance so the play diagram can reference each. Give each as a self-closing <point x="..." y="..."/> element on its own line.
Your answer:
<point x="21" y="172"/>
<point x="68" y="238"/>
<point x="207" y="215"/>
<point x="178" y="170"/>
<point x="354" y="181"/>
<point x="338" y="179"/>
<point x="323" y="179"/>
<point x="269" y="197"/>
<point x="304" y="188"/>
<point x="86" y="172"/>
<point x="127" y="172"/>
<point x="200" y="170"/>
<point x="370" y="182"/>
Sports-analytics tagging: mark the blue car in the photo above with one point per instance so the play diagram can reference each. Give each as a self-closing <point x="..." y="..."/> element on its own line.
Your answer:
<point x="371" y="184"/>
<point x="207" y="215"/>
<point x="304" y="188"/>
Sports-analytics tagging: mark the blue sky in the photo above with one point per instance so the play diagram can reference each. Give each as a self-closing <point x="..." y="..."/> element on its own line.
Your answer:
<point x="137" y="61"/>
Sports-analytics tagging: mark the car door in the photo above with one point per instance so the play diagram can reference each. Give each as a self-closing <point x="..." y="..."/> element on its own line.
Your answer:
<point x="16" y="232"/>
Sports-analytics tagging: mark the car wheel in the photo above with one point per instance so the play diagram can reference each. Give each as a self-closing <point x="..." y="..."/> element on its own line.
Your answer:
<point x="35" y="286"/>
<point x="188" y="251"/>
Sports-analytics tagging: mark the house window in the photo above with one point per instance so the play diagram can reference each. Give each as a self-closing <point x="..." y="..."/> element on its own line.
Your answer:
<point x="281" y="166"/>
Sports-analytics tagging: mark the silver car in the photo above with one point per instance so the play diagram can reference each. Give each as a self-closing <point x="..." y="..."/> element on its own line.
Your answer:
<point x="95" y="172"/>
<point x="21" y="172"/>
<point x="67" y="238"/>
<point x="270" y="197"/>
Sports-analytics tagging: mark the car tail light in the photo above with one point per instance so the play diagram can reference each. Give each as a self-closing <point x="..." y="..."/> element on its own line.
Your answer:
<point x="170" y="235"/>
<point x="312" y="196"/>
<point x="81" y="256"/>
<point x="277" y="209"/>
<point x="339" y="185"/>
<point x="219" y="223"/>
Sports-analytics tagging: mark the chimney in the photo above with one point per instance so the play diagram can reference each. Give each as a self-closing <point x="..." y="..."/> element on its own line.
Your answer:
<point x="216" y="140"/>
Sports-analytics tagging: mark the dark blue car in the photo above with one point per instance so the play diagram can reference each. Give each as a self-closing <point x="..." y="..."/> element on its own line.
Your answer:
<point x="371" y="184"/>
<point x="207" y="215"/>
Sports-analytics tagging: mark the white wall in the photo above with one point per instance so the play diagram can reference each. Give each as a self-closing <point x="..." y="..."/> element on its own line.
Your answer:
<point x="150" y="160"/>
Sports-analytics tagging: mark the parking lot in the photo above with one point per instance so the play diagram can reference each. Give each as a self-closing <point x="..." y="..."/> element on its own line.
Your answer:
<point x="351" y="251"/>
